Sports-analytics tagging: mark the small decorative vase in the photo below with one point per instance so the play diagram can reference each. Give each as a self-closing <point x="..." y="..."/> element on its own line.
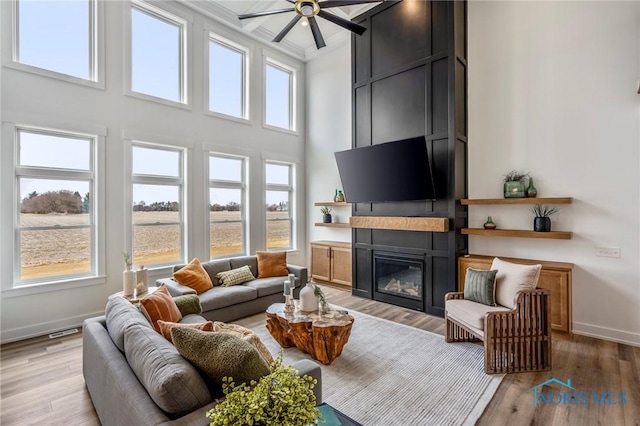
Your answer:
<point x="308" y="299"/>
<point x="128" y="281"/>
<point x="142" y="280"/>
<point x="513" y="189"/>
<point x="326" y="218"/>
<point x="542" y="224"/>
<point x="489" y="224"/>
<point x="339" y="198"/>
<point x="532" y="192"/>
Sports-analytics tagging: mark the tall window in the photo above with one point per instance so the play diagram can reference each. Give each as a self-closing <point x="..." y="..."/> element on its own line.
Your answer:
<point x="158" y="60"/>
<point x="279" y="96"/>
<point x="158" y="223"/>
<point x="57" y="35"/>
<point x="227" y="78"/>
<point x="227" y="206"/>
<point x="56" y="233"/>
<point x="279" y="196"/>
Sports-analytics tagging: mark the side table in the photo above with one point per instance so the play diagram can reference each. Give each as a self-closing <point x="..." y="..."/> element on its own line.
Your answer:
<point x="135" y="299"/>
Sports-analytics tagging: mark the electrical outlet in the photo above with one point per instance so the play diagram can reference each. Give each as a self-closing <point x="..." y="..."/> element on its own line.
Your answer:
<point x="608" y="251"/>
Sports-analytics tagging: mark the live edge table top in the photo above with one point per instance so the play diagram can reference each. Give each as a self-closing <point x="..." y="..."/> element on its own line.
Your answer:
<point x="320" y="335"/>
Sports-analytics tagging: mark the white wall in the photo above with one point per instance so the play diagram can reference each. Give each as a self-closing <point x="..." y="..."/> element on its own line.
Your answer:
<point x="36" y="100"/>
<point x="328" y="89"/>
<point x="552" y="91"/>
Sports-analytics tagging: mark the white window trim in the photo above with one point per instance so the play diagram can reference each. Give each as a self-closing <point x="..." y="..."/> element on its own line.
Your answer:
<point x="9" y="263"/>
<point x="97" y="49"/>
<point x="293" y="95"/>
<point x="181" y="20"/>
<point x="246" y="85"/>
<point x="244" y="187"/>
<point x="291" y="188"/>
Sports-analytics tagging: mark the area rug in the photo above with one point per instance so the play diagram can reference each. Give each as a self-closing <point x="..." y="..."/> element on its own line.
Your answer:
<point x="393" y="374"/>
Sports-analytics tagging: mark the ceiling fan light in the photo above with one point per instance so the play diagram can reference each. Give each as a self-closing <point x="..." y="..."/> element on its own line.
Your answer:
<point x="305" y="22"/>
<point x="306" y="10"/>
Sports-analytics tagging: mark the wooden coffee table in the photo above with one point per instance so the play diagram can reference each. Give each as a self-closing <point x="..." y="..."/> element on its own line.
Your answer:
<point x="321" y="336"/>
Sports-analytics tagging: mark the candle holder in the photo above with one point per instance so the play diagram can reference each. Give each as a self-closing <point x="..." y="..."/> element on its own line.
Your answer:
<point x="289" y="306"/>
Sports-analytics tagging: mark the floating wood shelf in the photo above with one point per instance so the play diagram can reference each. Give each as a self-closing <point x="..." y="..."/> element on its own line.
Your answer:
<point x="428" y="224"/>
<point x="334" y="225"/>
<point x="553" y="235"/>
<point x="537" y="200"/>
<point x="332" y="204"/>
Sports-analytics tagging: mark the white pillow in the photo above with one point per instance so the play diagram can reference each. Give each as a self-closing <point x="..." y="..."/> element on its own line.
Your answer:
<point x="511" y="278"/>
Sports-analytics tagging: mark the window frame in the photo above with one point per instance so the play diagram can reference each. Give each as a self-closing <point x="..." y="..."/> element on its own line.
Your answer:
<point x="226" y="184"/>
<point x="170" y="16"/>
<point x="157" y="180"/>
<point x="11" y="44"/>
<point x="290" y="188"/>
<point x="293" y="95"/>
<point x="212" y="36"/>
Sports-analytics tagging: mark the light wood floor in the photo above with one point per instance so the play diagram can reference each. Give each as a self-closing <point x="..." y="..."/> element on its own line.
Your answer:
<point x="41" y="379"/>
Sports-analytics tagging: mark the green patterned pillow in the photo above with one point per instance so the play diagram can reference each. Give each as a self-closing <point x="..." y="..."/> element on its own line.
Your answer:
<point x="480" y="286"/>
<point x="235" y="276"/>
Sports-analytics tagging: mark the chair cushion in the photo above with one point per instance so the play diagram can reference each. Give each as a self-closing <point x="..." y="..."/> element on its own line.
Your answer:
<point x="221" y="297"/>
<point x="268" y="286"/>
<point x="120" y="313"/>
<point x="159" y="305"/>
<point x="470" y="313"/>
<point x="247" y="334"/>
<point x="220" y="355"/>
<point x="195" y="276"/>
<point x="272" y="264"/>
<point x="235" y="276"/>
<point x="513" y="277"/>
<point x="480" y="286"/>
<point x="166" y="327"/>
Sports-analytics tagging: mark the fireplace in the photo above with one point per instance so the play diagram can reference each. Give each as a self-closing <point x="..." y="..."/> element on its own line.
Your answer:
<point x="399" y="279"/>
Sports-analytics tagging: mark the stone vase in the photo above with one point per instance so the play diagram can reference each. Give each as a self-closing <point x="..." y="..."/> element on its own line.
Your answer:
<point x="308" y="299"/>
<point x="128" y="281"/>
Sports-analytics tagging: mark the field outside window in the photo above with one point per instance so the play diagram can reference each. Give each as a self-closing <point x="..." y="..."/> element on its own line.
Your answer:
<point x="279" y="195"/>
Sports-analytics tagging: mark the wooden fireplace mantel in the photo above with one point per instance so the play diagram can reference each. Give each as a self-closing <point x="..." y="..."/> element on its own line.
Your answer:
<point x="428" y="224"/>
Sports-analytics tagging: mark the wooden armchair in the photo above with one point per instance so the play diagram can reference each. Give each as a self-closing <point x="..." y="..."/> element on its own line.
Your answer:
<point x="515" y="340"/>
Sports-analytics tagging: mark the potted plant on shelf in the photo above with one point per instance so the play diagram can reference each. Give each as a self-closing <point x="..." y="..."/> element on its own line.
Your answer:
<point x="326" y="214"/>
<point x="542" y="221"/>
<point x="514" y="184"/>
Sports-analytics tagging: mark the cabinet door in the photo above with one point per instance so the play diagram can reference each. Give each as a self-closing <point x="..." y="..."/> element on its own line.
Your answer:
<point x="321" y="262"/>
<point x="341" y="265"/>
<point x="558" y="285"/>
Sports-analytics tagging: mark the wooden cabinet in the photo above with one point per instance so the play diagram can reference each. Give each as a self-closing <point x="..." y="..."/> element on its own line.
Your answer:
<point x="555" y="277"/>
<point x="331" y="262"/>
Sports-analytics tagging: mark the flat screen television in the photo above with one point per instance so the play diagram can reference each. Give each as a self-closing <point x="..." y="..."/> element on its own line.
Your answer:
<point x="392" y="171"/>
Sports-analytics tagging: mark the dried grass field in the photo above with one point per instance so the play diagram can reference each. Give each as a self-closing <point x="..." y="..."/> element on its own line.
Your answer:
<point x="65" y="251"/>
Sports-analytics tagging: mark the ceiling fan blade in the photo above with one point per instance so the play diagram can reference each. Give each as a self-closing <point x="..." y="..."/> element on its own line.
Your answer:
<point x="358" y="29"/>
<point x="315" y="30"/>
<point x="288" y="28"/>
<point x="339" y="3"/>
<point x="264" y="13"/>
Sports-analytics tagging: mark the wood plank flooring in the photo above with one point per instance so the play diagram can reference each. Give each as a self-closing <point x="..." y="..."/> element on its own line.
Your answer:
<point x="41" y="379"/>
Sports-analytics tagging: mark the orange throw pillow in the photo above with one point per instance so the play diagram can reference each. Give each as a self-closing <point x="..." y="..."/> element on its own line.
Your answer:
<point x="272" y="264"/>
<point x="193" y="275"/>
<point x="165" y="327"/>
<point x="159" y="305"/>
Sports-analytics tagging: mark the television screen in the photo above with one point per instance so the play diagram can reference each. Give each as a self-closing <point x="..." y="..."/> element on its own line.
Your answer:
<point x="392" y="171"/>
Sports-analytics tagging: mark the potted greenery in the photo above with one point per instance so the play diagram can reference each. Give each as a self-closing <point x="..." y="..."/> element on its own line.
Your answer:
<point x="323" y="306"/>
<point x="282" y="397"/>
<point x="326" y="214"/>
<point x="542" y="221"/>
<point x="514" y="184"/>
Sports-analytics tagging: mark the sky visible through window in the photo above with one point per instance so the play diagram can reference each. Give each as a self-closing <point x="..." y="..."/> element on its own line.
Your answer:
<point x="277" y="102"/>
<point x="225" y="79"/>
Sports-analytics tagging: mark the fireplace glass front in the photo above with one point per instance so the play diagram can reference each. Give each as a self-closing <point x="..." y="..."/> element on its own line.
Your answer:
<point x="398" y="276"/>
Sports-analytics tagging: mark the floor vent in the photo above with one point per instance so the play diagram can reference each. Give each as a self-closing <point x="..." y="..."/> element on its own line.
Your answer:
<point x="63" y="333"/>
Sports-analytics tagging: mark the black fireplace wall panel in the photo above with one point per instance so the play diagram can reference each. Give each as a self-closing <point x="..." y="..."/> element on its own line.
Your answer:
<point x="409" y="76"/>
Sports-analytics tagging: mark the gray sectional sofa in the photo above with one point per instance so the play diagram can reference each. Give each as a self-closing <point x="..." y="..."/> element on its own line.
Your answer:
<point x="238" y="301"/>
<point x="137" y="377"/>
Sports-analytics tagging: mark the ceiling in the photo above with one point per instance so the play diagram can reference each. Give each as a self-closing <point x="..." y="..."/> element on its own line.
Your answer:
<point x="298" y="42"/>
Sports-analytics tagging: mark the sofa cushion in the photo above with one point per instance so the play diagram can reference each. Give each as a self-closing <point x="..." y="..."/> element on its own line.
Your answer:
<point x="188" y="304"/>
<point x="235" y="276"/>
<point x="268" y="286"/>
<point x="513" y="277"/>
<point x="250" y="261"/>
<point x="195" y="276"/>
<point x="172" y="382"/>
<point x="221" y="297"/>
<point x="165" y="327"/>
<point x="247" y="334"/>
<point x="120" y="313"/>
<point x="159" y="305"/>
<point x="220" y="355"/>
<point x="213" y="267"/>
<point x="272" y="264"/>
<point x="470" y="313"/>
<point x="480" y="286"/>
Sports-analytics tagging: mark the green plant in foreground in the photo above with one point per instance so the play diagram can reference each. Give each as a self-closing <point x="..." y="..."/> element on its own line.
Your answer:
<point x="325" y="210"/>
<point x="544" y="211"/>
<point x="281" y="398"/>
<point x="515" y="176"/>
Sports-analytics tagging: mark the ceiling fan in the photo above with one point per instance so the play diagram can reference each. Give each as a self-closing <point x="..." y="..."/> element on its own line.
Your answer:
<point x="308" y="9"/>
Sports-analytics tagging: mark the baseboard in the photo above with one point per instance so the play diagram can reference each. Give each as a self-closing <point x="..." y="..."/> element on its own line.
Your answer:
<point x="604" y="333"/>
<point x="35" y="330"/>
